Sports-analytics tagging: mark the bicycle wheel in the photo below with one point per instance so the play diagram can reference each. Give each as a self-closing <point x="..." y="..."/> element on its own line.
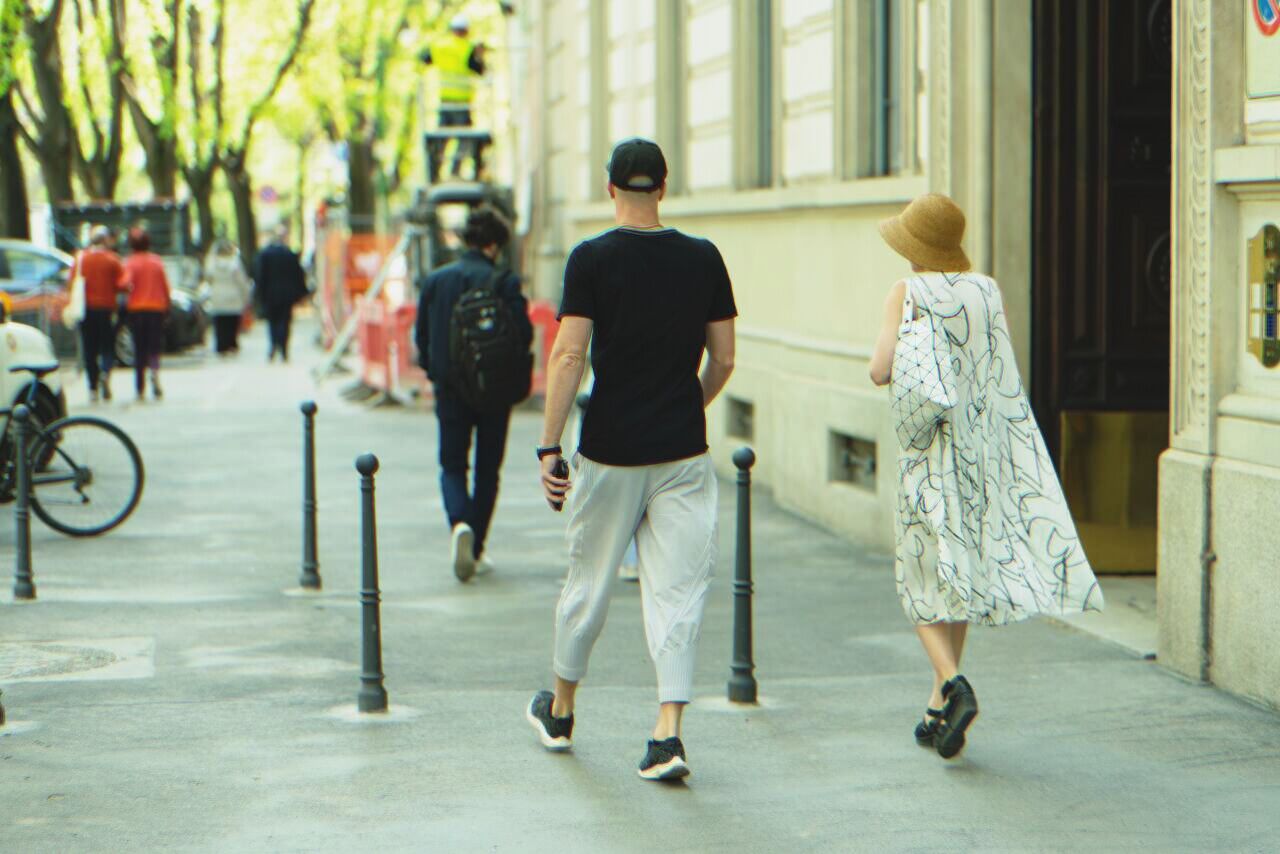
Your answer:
<point x="88" y="477"/>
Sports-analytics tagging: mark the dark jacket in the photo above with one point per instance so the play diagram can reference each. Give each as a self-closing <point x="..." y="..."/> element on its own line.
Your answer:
<point x="441" y="289"/>
<point x="278" y="279"/>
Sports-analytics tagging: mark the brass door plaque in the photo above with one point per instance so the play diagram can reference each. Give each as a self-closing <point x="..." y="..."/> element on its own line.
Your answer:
<point x="1263" y="310"/>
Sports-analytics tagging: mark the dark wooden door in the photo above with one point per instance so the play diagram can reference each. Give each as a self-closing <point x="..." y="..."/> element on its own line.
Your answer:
<point x="1101" y="266"/>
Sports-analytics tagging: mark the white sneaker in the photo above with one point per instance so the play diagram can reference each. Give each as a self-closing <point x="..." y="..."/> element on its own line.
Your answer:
<point x="484" y="566"/>
<point x="629" y="572"/>
<point x="464" y="559"/>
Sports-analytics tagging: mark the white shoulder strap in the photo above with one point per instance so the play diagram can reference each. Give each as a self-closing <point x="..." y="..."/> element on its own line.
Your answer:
<point x="908" y="304"/>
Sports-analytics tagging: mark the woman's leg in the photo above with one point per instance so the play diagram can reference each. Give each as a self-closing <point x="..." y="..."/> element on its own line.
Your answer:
<point x="89" y="345"/>
<point x="220" y="334"/>
<point x="938" y="642"/>
<point x="959" y="631"/>
<point x="156" y="347"/>
<point x="138" y="324"/>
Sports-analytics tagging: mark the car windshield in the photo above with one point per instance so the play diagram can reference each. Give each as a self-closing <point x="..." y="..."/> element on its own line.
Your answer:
<point x="31" y="268"/>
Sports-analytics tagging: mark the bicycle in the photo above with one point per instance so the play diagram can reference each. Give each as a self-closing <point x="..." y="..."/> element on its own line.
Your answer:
<point x="86" y="473"/>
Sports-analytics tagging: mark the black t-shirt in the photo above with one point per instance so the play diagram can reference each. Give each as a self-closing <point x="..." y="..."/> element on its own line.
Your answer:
<point x="650" y="295"/>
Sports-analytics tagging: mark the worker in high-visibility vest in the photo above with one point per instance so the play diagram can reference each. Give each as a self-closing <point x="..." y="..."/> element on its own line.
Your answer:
<point x="459" y="63"/>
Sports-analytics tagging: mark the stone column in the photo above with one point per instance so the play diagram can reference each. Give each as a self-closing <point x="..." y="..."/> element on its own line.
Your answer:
<point x="1208" y="94"/>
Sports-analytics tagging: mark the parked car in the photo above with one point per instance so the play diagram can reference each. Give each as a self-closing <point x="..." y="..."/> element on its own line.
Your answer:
<point x="37" y="280"/>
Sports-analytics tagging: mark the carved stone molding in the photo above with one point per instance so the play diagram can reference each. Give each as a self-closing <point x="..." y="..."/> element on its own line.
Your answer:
<point x="1193" y="194"/>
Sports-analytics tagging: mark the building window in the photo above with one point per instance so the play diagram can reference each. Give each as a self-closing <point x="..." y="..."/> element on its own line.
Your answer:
<point x="708" y="94"/>
<point x="886" y="100"/>
<point x="883" y="61"/>
<point x="632" y="68"/>
<point x="806" y="35"/>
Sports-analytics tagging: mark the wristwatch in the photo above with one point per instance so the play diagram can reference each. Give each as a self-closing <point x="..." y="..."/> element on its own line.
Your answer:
<point x="550" y="450"/>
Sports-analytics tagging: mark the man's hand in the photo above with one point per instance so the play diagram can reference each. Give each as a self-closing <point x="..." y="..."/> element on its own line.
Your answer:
<point x="554" y="488"/>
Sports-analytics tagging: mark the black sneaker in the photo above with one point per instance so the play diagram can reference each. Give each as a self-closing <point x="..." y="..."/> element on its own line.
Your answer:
<point x="555" y="733"/>
<point x="664" y="760"/>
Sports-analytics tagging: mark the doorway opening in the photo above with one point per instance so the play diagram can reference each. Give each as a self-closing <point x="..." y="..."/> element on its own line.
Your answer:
<point x="1100" y="263"/>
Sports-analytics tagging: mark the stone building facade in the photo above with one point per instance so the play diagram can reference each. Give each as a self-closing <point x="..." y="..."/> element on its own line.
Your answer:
<point x="1113" y="158"/>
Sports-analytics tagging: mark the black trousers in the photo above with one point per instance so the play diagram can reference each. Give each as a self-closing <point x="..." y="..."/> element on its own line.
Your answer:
<point x="465" y="502"/>
<point x="278" y="324"/>
<point x="226" y="332"/>
<point x="98" y="344"/>
<point x="148" y="343"/>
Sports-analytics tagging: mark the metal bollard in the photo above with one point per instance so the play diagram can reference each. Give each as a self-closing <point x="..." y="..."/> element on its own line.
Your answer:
<point x="373" y="696"/>
<point x="310" y="562"/>
<point x="23" y="585"/>
<point x="742" y="684"/>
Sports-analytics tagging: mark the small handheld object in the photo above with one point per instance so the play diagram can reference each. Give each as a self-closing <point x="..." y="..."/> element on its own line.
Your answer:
<point x="561" y="470"/>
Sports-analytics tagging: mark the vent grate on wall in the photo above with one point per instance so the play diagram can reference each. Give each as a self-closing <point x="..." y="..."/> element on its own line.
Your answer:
<point x="742" y="419"/>
<point x="852" y="460"/>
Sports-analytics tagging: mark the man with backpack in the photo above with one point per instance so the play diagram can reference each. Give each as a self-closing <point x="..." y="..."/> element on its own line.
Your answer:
<point x="473" y="335"/>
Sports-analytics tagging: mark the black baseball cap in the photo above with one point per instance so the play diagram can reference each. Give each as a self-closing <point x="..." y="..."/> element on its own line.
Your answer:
<point x="637" y="164"/>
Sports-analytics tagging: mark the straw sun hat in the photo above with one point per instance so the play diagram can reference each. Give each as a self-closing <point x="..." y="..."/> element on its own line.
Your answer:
<point x="928" y="234"/>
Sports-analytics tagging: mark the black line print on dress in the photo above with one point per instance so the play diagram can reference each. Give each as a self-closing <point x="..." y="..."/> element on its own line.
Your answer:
<point x="984" y="532"/>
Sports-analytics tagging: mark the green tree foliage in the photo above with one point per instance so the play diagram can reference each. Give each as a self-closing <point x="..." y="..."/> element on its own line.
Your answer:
<point x="362" y="78"/>
<point x="234" y="156"/>
<point x="74" y="125"/>
<point x="150" y="77"/>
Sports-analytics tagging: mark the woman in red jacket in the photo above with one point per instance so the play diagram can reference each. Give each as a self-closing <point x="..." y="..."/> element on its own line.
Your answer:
<point x="148" y="308"/>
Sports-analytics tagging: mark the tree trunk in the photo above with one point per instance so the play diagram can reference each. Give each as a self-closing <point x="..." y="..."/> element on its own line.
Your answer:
<point x="161" y="149"/>
<point x="200" y="183"/>
<point x="56" y="142"/>
<point x="362" y="197"/>
<point x="241" y="188"/>
<point x="13" y="185"/>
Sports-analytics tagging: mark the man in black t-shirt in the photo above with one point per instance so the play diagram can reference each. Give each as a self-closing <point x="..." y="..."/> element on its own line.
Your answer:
<point x="650" y="300"/>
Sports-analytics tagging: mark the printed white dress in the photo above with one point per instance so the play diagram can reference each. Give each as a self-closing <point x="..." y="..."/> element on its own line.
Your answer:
<point x="984" y="534"/>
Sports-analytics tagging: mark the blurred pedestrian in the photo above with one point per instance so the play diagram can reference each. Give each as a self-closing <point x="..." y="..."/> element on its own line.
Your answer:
<point x="148" y="308"/>
<point x="459" y="62"/>
<point x="983" y="531"/>
<point x="459" y="411"/>
<point x="281" y="284"/>
<point x="642" y="469"/>
<point x="104" y="282"/>
<point x="228" y="294"/>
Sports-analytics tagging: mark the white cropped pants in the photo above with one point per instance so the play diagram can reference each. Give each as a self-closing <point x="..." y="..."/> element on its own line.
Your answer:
<point x="670" y="509"/>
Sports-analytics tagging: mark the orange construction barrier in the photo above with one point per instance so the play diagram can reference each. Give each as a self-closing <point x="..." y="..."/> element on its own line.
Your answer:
<point x="542" y="314"/>
<point x="389" y="357"/>
<point x="388" y="361"/>
<point x="364" y="257"/>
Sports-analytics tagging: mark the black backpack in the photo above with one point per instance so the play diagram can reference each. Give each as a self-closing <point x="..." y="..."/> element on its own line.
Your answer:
<point x="492" y="367"/>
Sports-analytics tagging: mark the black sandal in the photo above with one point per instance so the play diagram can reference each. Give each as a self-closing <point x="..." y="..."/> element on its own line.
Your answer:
<point x="928" y="728"/>
<point x="958" y="712"/>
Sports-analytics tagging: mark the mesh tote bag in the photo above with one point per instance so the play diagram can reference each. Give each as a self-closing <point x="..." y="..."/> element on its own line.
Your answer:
<point x="923" y="380"/>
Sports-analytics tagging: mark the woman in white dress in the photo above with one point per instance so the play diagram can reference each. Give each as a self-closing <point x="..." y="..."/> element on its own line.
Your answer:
<point x="982" y="528"/>
<point x="228" y="294"/>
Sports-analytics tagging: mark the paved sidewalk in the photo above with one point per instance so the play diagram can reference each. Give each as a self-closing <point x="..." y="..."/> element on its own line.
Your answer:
<point x="170" y="690"/>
